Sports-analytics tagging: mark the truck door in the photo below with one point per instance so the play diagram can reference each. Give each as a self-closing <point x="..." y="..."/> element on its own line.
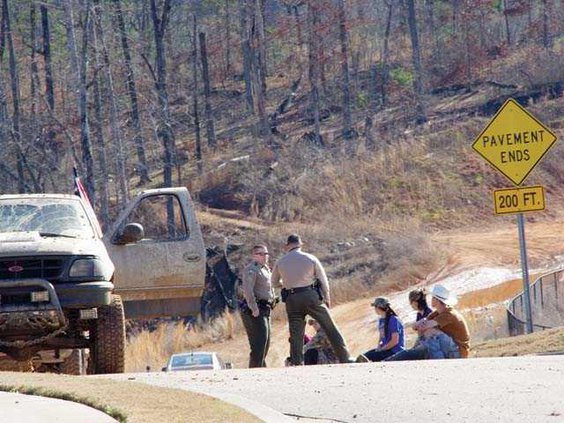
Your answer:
<point x="163" y="272"/>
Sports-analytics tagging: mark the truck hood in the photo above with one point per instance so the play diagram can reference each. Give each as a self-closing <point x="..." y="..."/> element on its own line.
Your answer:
<point x="31" y="244"/>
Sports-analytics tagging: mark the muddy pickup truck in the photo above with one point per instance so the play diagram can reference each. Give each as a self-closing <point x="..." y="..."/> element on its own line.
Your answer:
<point x="66" y="289"/>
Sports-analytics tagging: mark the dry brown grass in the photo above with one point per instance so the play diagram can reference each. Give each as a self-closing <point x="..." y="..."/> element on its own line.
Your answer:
<point x="547" y="341"/>
<point x="140" y="403"/>
<point x="153" y="349"/>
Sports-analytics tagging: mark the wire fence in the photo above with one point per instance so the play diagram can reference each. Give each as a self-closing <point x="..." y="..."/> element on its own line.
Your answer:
<point x="547" y="305"/>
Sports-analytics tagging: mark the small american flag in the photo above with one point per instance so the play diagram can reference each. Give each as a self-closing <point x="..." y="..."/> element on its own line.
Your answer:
<point x="81" y="192"/>
<point x="79" y="188"/>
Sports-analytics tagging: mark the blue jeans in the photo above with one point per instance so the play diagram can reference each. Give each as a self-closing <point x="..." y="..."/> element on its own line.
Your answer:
<point x="378" y="355"/>
<point x="440" y="346"/>
<point x="416" y="353"/>
<point x="432" y="347"/>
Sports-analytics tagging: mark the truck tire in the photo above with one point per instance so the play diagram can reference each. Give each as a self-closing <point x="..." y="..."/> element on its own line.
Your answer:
<point x="75" y="364"/>
<point x="107" y="339"/>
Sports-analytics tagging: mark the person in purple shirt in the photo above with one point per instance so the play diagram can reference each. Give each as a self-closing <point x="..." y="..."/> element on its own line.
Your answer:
<point x="418" y="301"/>
<point x="391" y="333"/>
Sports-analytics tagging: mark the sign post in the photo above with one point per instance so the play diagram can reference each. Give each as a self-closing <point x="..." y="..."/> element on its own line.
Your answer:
<point x="514" y="142"/>
<point x="525" y="272"/>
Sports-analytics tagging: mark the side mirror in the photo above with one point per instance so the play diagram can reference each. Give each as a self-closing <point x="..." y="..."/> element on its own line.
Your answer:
<point x="132" y="233"/>
<point x="163" y="369"/>
<point x="228" y="365"/>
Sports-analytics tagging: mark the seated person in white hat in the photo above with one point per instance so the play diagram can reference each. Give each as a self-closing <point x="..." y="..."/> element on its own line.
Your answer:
<point x="444" y="333"/>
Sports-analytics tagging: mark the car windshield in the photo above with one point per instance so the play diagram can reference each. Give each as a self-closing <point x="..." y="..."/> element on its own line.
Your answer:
<point x="191" y="360"/>
<point x="51" y="217"/>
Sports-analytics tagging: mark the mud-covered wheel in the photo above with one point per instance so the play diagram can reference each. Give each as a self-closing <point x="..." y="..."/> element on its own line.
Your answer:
<point x="107" y="339"/>
<point x="74" y="364"/>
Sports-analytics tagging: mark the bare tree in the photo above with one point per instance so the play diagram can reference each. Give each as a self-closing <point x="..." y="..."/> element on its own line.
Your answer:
<point x="386" y="54"/>
<point x="416" y="59"/>
<point x="247" y="52"/>
<point x="195" y="94"/>
<point x="259" y="70"/>
<point x="164" y="128"/>
<point x="111" y="99"/>
<point x="345" y="76"/>
<point x="314" y="67"/>
<point x="546" y="39"/>
<point x="138" y="139"/>
<point x="49" y="90"/>
<point x="100" y="144"/>
<point x="34" y="80"/>
<point x="79" y="82"/>
<point x="227" y="24"/>
<point x="210" y="128"/>
<point x="15" y="87"/>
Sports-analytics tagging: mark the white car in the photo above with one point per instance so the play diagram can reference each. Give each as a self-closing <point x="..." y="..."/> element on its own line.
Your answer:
<point x="196" y="360"/>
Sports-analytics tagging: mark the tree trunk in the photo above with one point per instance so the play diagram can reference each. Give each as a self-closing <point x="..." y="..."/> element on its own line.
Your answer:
<point x="79" y="82"/>
<point x="49" y="90"/>
<point x="227" y="24"/>
<point x="34" y="80"/>
<point x="49" y="144"/>
<point x="164" y="130"/>
<point x="111" y="99"/>
<point x="15" y="87"/>
<point x="386" y="55"/>
<point x="247" y="53"/>
<point x="98" y="125"/>
<point x="138" y="139"/>
<point x="261" y="42"/>
<point x="545" y="25"/>
<point x="259" y="72"/>
<point x="345" y="82"/>
<point x="416" y="59"/>
<point x="299" y="40"/>
<point x="195" y="94"/>
<point x="369" y="137"/>
<point x="506" y="19"/>
<point x="314" y="65"/>
<point x="210" y="129"/>
<point x="430" y="8"/>
<point x="455" y="16"/>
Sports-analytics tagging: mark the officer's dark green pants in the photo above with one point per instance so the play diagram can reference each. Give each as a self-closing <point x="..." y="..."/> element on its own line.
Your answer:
<point x="303" y="303"/>
<point x="258" y="332"/>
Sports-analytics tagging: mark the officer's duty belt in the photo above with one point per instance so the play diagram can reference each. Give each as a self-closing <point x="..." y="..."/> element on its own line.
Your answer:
<point x="300" y="289"/>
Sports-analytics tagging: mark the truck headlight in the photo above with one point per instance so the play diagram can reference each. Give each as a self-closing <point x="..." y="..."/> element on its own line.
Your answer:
<point x="87" y="268"/>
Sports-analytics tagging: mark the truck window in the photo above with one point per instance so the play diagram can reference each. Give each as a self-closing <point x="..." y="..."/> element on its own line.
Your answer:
<point x="161" y="217"/>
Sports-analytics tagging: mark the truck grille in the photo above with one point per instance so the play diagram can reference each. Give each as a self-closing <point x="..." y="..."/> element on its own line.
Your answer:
<point x="26" y="268"/>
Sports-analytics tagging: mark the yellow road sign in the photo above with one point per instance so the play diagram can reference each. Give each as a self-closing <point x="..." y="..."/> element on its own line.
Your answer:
<point x="514" y="141"/>
<point x="519" y="200"/>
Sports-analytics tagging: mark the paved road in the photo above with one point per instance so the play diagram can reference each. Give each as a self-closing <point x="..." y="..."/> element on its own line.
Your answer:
<point x="516" y="389"/>
<point x="34" y="409"/>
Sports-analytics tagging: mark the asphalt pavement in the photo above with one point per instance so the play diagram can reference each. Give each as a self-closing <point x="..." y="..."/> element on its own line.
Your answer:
<point x="17" y="408"/>
<point x="514" y="389"/>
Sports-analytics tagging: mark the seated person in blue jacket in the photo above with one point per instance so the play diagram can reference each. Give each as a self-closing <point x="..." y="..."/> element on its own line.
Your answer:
<point x="391" y="332"/>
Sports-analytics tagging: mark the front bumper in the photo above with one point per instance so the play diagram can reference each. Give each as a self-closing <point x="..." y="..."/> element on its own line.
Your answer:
<point x="23" y="318"/>
<point x="85" y="294"/>
<point x="27" y="318"/>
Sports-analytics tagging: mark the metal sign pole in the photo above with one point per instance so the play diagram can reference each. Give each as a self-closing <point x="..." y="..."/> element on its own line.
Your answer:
<point x="525" y="271"/>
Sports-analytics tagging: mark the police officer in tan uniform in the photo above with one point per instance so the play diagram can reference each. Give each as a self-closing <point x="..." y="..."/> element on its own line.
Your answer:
<point x="297" y="273"/>
<point x="258" y="300"/>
